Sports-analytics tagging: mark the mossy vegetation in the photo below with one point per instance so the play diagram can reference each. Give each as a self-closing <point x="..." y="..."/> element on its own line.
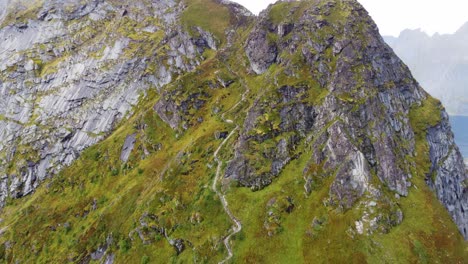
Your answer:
<point x="74" y="213"/>
<point x="99" y="197"/>
<point x="314" y="231"/>
<point x="287" y="11"/>
<point x="164" y="187"/>
<point x="423" y="117"/>
<point x="208" y="15"/>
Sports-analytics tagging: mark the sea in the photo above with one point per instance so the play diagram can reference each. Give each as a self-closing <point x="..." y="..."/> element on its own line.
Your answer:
<point x="460" y="129"/>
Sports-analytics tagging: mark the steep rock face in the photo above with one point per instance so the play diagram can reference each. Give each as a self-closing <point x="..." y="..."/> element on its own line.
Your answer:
<point x="289" y="122"/>
<point x="260" y="51"/>
<point x="71" y="71"/>
<point x="361" y="127"/>
<point x="450" y="175"/>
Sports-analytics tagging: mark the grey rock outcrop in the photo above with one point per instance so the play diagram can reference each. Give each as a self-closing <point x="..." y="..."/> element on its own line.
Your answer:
<point x="292" y="116"/>
<point x="260" y="51"/>
<point x="128" y="146"/>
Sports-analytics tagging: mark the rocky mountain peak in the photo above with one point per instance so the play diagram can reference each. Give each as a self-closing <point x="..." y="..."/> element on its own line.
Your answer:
<point x="367" y="91"/>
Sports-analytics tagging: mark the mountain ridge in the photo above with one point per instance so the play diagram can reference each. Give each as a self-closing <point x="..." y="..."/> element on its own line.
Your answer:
<point x="305" y="105"/>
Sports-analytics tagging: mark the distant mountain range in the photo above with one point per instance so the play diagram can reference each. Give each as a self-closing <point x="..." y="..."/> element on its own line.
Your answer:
<point x="439" y="63"/>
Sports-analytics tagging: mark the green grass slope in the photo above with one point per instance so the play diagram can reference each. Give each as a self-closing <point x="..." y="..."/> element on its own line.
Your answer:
<point x="165" y="188"/>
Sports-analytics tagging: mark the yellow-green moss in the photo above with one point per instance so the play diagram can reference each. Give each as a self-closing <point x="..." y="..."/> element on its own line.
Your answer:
<point x="422" y="117"/>
<point x="208" y="15"/>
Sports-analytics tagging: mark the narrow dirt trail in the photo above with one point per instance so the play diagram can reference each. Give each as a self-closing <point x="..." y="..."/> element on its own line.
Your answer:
<point x="237" y="224"/>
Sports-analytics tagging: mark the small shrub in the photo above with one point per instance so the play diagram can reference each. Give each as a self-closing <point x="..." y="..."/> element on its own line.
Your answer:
<point x="115" y="172"/>
<point x="124" y="245"/>
<point x="240" y="236"/>
<point x="97" y="155"/>
<point x="145" y="260"/>
<point x="158" y="237"/>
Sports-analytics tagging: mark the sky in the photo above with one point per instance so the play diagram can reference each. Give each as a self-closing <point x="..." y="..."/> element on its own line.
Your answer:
<point x="393" y="16"/>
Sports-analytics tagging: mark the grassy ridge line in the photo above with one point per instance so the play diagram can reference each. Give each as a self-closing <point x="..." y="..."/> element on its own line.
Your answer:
<point x="208" y="15"/>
